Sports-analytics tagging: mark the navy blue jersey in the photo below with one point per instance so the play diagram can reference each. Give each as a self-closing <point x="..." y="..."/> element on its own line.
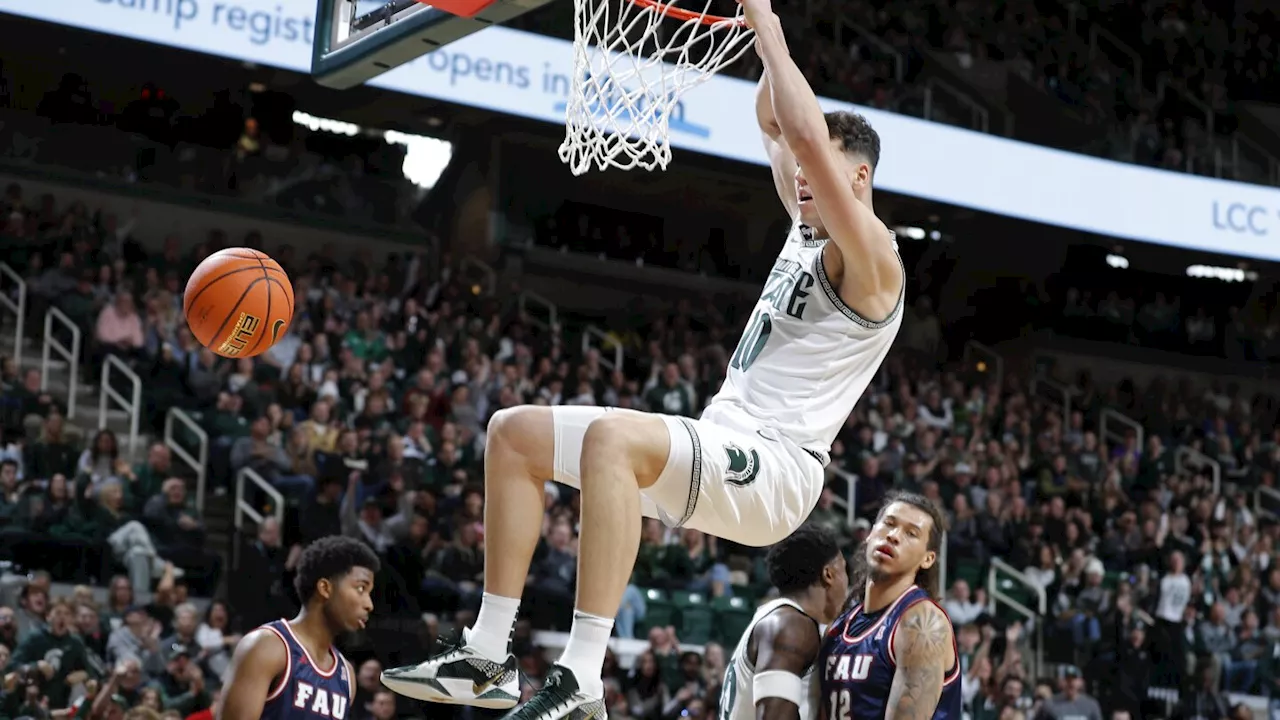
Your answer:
<point x="308" y="689"/>
<point x="857" y="664"/>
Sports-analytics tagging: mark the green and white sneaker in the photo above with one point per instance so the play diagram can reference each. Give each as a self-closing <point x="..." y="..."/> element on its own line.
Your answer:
<point x="457" y="675"/>
<point x="560" y="699"/>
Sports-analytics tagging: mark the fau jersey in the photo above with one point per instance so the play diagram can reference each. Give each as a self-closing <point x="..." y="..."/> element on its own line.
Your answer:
<point x="305" y="691"/>
<point x="857" y="664"/>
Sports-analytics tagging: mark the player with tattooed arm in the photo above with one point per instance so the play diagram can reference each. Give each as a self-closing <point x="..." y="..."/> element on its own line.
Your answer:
<point x="892" y="655"/>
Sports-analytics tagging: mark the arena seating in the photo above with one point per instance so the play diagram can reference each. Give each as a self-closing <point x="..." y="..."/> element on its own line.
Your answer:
<point x="1003" y="459"/>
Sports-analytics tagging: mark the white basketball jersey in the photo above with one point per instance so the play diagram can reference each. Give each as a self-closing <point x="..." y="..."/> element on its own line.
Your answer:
<point x="737" y="701"/>
<point x="805" y="357"/>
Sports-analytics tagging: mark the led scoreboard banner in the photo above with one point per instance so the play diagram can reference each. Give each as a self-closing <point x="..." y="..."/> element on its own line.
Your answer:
<point x="528" y="75"/>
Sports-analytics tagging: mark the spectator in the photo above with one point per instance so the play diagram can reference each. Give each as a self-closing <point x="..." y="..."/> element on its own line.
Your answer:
<point x="669" y="394"/>
<point x="1174" y="597"/>
<point x="263" y="593"/>
<point x="137" y="641"/>
<point x="1072" y="701"/>
<point x="180" y="534"/>
<point x="1204" y="702"/>
<point x="959" y="606"/>
<point x="56" y="654"/>
<point x="257" y="453"/>
<point x="119" y="331"/>
<point x="127" y="538"/>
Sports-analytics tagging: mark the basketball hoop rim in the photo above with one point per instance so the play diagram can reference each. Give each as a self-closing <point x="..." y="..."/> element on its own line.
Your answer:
<point x="670" y="10"/>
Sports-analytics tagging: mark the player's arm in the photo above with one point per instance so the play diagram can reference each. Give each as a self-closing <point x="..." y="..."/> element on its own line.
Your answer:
<point x="781" y="160"/>
<point x="923" y="651"/>
<point x="856" y="231"/>
<point x="259" y="660"/>
<point x="786" y="647"/>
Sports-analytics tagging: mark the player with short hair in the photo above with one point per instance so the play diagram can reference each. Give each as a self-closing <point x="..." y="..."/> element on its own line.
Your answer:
<point x="749" y="470"/>
<point x="289" y="669"/>
<point x="893" y="654"/>
<point x="770" y="675"/>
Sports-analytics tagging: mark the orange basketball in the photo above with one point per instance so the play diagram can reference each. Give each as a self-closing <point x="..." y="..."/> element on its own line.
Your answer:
<point x="238" y="302"/>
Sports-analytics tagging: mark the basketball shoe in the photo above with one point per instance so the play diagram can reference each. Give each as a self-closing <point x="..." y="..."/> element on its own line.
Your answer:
<point x="457" y="675"/>
<point x="560" y="699"/>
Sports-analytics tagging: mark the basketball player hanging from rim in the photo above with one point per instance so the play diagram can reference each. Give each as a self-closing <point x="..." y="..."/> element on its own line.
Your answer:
<point x="892" y="655"/>
<point x="750" y="470"/>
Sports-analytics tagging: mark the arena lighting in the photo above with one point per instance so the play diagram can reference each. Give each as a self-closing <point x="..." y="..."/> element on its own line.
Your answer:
<point x="424" y="162"/>
<point x="1118" y="262"/>
<point x="337" y="127"/>
<point x="1224" y="274"/>
<point x="912" y="233"/>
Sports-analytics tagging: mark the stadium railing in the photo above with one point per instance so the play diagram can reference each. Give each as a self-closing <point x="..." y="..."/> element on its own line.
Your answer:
<point x="848" y="503"/>
<point x="131" y="404"/>
<point x="1008" y="586"/>
<point x="1241" y="151"/>
<point x="179" y="427"/>
<point x="529" y="300"/>
<point x="626" y="650"/>
<point x="1054" y="393"/>
<point x="246" y="509"/>
<point x="1108" y="433"/>
<point x="70" y="355"/>
<point x="979" y="118"/>
<point x="1100" y="36"/>
<point x="975" y="352"/>
<point x="16" y="303"/>
<point x="942" y="563"/>
<point x="485" y="279"/>
<point x="1187" y="459"/>
<point x="603" y="341"/>
<point x="1266" y="503"/>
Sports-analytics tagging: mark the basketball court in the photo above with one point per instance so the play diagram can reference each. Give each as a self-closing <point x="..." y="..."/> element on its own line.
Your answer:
<point x="632" y="61"/>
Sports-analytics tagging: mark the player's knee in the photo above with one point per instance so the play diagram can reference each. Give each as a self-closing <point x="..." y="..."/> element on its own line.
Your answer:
<point x="637" y="441"/>
<point x="523" y="435"/>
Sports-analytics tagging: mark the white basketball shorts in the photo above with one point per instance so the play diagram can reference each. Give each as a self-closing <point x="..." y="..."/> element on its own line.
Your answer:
<point x="749" y="488"/>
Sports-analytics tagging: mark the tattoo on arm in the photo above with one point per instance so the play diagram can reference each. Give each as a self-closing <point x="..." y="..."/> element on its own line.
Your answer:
<point x="922" y="647"/>
<point x="789" y="644"/>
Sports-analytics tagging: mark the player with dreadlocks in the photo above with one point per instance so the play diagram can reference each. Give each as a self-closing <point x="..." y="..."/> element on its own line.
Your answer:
<point x="892" y="655"/>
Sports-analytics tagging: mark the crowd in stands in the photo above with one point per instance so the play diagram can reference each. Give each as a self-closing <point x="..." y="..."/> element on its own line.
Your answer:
<point x="370" y="418"/>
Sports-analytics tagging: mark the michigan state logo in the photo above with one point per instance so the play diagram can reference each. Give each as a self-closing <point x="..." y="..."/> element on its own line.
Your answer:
<point x="744" y="465"/>
<point x="729" y="691"/>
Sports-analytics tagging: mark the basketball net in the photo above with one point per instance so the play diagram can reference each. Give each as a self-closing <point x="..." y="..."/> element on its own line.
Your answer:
<point x="632" y="62"/>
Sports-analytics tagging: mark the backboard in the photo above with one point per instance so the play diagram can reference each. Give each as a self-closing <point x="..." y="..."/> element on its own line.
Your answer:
<point x="359" y="39"/>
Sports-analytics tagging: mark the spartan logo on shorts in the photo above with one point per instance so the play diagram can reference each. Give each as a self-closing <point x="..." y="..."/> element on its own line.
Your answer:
<point x="240" y="335"/>
<point x="744" y="465"/>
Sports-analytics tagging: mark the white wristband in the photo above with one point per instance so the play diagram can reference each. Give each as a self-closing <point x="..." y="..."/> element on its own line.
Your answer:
<point x="777" y="684"/>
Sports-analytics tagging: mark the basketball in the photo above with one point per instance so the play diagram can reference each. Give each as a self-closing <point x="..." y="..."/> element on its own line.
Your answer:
<point x="238" y="302"/>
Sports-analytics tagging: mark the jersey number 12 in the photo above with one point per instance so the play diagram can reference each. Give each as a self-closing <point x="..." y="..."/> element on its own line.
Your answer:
<point x="752" y="342"/>
<point x="839" y="708"/>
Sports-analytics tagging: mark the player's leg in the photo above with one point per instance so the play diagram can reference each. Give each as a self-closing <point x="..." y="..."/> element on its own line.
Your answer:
<point x="525" y="446"/>
<point x="629" y="461"/>
<point x="623" y="453"/>
<point x="519" y="456"/>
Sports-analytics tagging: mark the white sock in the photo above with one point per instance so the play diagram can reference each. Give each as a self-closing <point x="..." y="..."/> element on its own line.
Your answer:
<point x="584" y="653"/>
<point x="492" y="632"/>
